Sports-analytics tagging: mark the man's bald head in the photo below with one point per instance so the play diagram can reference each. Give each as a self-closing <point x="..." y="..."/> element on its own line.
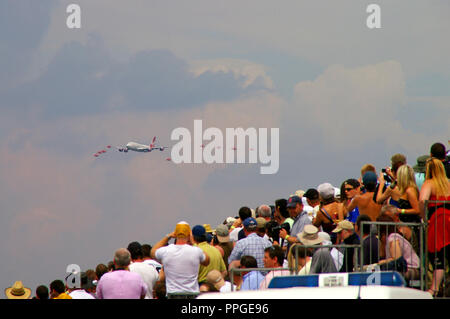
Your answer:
<point x="122" y="257"/>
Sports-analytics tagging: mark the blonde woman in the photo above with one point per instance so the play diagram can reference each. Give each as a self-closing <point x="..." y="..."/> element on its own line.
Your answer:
<point x="408" y="202"/>
<point x="407" y="192"/>
<point x="436" y="188"/>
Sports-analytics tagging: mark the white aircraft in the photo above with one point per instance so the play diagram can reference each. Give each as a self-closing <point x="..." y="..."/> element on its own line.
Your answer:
<point x="133" y="146"/>
<point x="136" y="147"/>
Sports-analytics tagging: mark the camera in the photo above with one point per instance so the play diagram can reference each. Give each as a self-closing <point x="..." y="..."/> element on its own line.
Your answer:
<point x="273" y="230"/>
<point x="387" y="178"/>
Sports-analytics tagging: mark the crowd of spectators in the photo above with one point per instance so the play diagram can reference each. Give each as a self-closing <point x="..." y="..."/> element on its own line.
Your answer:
<point x="320" y="230"/>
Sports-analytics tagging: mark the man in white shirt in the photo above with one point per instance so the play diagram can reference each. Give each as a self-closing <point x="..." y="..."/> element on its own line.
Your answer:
<point x="181" y="262"/>
<point x="84" y="292"/>
<point x="311" y="202"/>
<point x="147" y="259"/>
<point x="147" y="272"/>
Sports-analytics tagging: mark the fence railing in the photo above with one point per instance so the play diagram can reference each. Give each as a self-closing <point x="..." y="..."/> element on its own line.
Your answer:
<point x="400" y="246"/>
<point x="254" y="278"/>
<point x="419" y="251"/>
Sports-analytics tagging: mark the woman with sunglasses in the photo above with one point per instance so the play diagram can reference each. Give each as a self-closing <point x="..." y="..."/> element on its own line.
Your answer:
<point x="349" y="189"/>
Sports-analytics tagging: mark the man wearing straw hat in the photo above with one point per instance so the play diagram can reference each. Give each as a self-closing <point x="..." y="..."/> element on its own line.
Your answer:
<point x="322" y="261"/>
<point x="18" y="291"/>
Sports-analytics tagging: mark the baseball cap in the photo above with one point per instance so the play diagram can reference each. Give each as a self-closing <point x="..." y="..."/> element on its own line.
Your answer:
<point x="345" y="224"/>
<point x="261" y="222"/>
<point x="208" y="228"/>
<point x="326" y="190"/>
<point x="293" y="200"/>
<point x="250" y="223"/>
<point x="222" y="233"/>
<point x="369" y="177"/>
<point x="198" y="231"/>
<point x="311" y="194"/>
<point x="182" y="229"/>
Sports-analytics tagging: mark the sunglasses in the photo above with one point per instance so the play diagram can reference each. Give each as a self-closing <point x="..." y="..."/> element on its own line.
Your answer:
<point x="348" y="189"/>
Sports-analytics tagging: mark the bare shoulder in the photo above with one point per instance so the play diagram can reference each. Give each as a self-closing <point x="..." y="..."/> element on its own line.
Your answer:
<point x="411" y="191"/>
<point x="357" y="198"/>
<point x="363" y="198"/>
<point x="426" y="190"/>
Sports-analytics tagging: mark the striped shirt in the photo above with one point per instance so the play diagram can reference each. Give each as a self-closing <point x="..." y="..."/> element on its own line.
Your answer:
<point x="252" y="280"/>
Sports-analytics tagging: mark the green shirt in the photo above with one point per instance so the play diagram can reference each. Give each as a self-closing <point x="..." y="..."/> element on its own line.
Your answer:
<point x="215" y="261"/>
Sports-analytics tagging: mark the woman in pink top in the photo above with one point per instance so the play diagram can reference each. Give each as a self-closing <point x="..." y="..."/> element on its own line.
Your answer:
<point x="397" y="246"/>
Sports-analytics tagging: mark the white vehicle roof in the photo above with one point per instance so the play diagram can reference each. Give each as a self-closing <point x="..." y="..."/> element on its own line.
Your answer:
<point x="349" y="292"/>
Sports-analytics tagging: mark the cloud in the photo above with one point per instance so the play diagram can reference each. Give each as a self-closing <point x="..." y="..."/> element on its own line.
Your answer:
<point x="246" y="72"/>
<point x="22" y="26"/>
<point x="159" y="80"/>
<point x="83" y="79"/>
<point x="427" y="115"/>
<point x="53" y="195"/>
<point x="138" y="70"/>
<point x="338" y="35"/>
<point x="350" y="107"/>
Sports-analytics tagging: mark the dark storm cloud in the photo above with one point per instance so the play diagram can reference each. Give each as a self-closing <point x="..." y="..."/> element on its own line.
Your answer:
<point x="82" y="80"/>
<point x="158" y="80"/>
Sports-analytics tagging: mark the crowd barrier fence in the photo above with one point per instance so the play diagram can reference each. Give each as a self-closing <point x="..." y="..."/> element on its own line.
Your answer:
<point x="414" y="250"/>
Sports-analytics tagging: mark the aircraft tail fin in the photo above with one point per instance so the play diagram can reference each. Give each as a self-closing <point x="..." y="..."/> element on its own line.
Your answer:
<point x="153" y="142"/>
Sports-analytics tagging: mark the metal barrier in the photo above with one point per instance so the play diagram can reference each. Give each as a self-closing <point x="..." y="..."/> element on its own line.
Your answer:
<point x="338" y="253"/>
<point x="341" y="251"/>
<point x="383" y="278"/>
<point x="259" y="277"/>
<point x="414" y="238"/>
<point x="437" y="241"/>
<point x="410" y="258"/>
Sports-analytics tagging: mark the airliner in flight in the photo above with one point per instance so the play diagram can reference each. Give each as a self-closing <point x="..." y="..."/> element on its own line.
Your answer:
<point x="136" y="147"/>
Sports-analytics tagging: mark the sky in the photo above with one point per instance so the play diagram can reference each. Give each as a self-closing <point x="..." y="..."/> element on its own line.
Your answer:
<point x="341" y="94"/>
